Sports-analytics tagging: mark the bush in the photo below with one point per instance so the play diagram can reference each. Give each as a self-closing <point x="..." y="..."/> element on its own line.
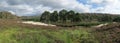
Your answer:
<point x="88" y="24"/>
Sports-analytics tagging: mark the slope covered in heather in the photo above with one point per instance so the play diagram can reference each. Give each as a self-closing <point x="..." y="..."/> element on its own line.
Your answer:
<point x="109" y="33"/>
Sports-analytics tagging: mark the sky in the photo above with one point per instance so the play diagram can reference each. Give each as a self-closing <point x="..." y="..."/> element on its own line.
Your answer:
<point x="33" y="7"/>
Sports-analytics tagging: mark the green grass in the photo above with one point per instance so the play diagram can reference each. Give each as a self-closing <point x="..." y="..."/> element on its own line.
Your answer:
<point x="26" y="35"/>
<point x="83" y="24"/>
<point x="12" y="32"/>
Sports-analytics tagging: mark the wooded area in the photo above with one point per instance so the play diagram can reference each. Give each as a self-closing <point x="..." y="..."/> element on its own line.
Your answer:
<point x="72" y="16"/>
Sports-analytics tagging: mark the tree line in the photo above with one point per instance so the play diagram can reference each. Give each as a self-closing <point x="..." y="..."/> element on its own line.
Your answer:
<point x="72" y="16"/>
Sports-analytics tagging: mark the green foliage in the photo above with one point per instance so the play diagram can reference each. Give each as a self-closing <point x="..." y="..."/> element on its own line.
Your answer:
<point x="23" y="33"/>
<point x="62" y="15"/>
<point x="7" y="15"/>
<point x="31" y="18"/>
<point x="71" y="16"/>
<point x="106" y="18"/>
<point x="84" y="24"/>
<point x="65" y="16"/>
<point x="54" y="16"/>
<point x="27" y="35"/>
<point x="117" y="19"/>
<point x="76" y="18"/>
<point x="45" y="17"/>
<point x="88" y="24"/>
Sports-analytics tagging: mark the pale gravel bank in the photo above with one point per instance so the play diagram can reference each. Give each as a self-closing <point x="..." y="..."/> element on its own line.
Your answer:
<point x="36" y="23"/>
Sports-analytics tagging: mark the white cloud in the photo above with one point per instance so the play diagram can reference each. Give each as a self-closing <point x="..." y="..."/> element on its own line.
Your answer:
<point x="65" y="4"/>
<point x="5" y="4"/>
<point x="96" y="1"/>
<point x="11" y="12"/>
<point x="23" y="7"/>
<point x="111" y="6"/>
<point x="29" y="7"/>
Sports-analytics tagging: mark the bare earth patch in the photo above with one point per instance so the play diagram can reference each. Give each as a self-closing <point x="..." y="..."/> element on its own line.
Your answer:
<point x="37" y="23"/>
<point x="101" y="25"/>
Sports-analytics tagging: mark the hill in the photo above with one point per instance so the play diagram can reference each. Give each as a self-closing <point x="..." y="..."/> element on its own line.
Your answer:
<point x="65" y="16"/>
<point x="109" y="33"/>
<point x="27" y="33"/>
<point x="72" y="18"/>
<point x="7" y="15"/>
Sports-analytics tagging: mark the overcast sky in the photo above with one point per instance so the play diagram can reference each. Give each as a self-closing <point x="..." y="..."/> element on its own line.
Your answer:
<point x="31" y="7"/>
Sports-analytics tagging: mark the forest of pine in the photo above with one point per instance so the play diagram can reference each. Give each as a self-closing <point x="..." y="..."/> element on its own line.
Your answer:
<point x="72" y="16"/>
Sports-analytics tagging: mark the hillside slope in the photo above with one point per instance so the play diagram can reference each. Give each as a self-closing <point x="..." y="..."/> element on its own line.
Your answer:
<point x="109" y="33"/>
<point x="13" y="32"/>
<point x="7" y="15"/>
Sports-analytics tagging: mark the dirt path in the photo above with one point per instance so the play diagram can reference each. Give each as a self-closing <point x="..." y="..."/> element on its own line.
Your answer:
<point x="101" y="25"/>
<point x="36" y="23"/>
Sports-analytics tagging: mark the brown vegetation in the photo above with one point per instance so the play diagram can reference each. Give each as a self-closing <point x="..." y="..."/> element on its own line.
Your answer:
<point x="109" y="33"/>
